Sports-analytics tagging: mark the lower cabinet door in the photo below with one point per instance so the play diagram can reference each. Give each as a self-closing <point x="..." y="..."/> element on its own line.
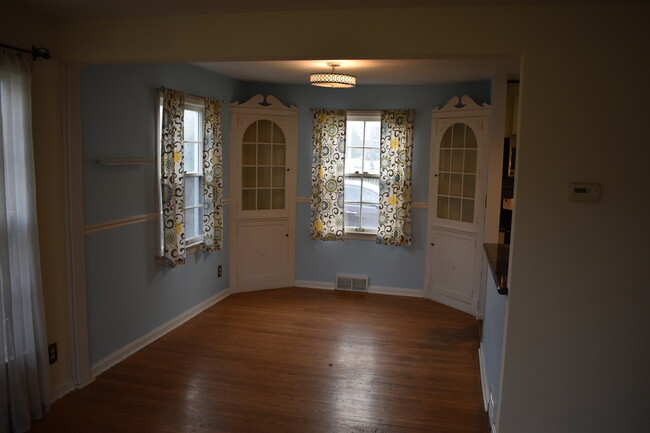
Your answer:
<point x="453" y="274"/>
<point x="263" y="254"/>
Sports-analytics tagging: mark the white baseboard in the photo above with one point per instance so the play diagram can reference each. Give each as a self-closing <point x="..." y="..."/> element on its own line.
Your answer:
<point x="128" y="350"/>
<point x="484" y="384"/>
<point x="67" y="387"/>
<point x="85" y="383"/>
<point x="371" y="289"/>
<point x="315" y="285"/>
<point x="61" y="390"/>
<point x="453" y="303"/>
<point x="416" y="293"/>
<point x="262" y="284"/>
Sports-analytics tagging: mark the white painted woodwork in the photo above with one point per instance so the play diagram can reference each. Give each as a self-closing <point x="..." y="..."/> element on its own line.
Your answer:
<point x="454" y="256"/>
<point x="512" y="110"/>
<point x="262" y="248"/>
<point x="122" y="222"/>
<point x="451" y="264"/>
<point x="263" y="254"/>
<point x="73" y="184"/>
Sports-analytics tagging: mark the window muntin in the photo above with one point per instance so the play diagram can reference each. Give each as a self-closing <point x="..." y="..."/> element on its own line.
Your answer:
<point x="264" y="166"/>
<point x="193" y="162"/>
<point x="362" y="160"/>
<point x="457" y="174"/>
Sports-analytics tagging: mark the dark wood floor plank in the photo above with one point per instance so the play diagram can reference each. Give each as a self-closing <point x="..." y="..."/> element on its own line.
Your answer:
<point x="293" y="360"/>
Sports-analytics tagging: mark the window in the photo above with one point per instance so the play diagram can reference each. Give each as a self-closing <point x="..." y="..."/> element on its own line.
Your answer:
<point x="189" y="160"/>
<point x="194" y="112"/>
<point x="362" y="160"/>
<point x="193" y="161"/>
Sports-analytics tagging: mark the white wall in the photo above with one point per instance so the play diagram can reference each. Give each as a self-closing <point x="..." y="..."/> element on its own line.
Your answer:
<point x="577" y="337"/>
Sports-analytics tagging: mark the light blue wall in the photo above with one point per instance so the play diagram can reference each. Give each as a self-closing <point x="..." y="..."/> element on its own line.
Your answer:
<point x="128" y="295"/>
<point x="396" y="267"/>
<point x="492" y="339"/>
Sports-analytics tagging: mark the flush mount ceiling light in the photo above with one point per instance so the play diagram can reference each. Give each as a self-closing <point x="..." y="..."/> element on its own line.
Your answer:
<point x="332" y="79"/>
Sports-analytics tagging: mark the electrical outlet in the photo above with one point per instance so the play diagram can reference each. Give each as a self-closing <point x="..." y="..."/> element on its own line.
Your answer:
<point x="52" y="353"/>
<point x="219" y="271"/>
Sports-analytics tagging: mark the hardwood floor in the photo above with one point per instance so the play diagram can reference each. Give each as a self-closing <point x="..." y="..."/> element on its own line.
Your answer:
<point x="293" y="360"/>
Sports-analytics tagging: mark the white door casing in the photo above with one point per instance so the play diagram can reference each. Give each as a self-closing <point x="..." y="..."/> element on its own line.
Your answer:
<point x="262" y="228"/>
<point x="456" y="221"/>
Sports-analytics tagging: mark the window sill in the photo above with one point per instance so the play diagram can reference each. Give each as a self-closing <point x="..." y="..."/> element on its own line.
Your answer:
<point x="193" y="248"/>
<point x="360" y="236"/>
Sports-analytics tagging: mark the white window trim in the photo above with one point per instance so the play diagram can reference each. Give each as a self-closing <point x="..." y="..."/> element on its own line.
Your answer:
<point x="360" y="236"/>
<point x="159" y="224"/>
<point x="365" y="116"/>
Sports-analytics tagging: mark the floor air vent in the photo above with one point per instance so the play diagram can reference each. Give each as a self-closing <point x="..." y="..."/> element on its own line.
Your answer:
<point x="351" y="282"/>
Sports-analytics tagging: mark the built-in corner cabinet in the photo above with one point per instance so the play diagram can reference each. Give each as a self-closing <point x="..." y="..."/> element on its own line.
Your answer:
<point x="459" y="137"/>
<point x="263" y="139"/>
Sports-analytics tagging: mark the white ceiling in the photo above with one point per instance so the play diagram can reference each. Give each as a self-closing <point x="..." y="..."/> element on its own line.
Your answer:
<point x="437" y="71"/>
<point x="91" y="9"/>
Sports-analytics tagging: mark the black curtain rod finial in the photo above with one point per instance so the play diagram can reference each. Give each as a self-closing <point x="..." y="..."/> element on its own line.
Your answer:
<point x="40" y="52"/>
<point x="36" y="52"/>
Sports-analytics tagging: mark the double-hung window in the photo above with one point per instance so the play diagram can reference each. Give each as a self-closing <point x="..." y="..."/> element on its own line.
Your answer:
<point x="190" y="176"/>
<point x="193" y="119"/>
<point x="193" y="162"/>
<point x="362" y="161"/>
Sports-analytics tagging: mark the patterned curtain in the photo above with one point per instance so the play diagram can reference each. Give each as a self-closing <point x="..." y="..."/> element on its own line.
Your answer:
<point x="171" y="180"/>
<point x="327" y="173"/>
<point x="213" y="177"/>
<point x="395" y="178"/>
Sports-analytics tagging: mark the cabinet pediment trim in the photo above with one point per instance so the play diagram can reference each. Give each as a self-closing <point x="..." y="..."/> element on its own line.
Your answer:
<point x="461" y="105"/>
<point x="260" y="101"/>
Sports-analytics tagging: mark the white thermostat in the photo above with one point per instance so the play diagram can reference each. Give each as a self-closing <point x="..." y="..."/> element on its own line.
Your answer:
<point x="584" y="192"/>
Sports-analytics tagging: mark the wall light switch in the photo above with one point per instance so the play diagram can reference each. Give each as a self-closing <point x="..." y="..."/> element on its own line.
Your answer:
<point x="584" y="192"/>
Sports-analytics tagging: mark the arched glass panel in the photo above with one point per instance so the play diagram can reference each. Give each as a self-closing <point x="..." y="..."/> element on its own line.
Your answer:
<point x="457" y="174"/>
<point x="263" y="167"/>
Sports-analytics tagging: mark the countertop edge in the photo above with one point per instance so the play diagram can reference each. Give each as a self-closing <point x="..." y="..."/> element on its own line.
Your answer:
<point x="497" y="258"/>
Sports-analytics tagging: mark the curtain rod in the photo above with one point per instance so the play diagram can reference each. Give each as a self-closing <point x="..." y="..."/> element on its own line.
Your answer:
<point x="35" y="52"/>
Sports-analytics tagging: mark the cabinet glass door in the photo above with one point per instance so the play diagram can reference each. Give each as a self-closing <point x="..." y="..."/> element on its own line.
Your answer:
<point x="457" y="174"/>
<point x="264" y="166"/>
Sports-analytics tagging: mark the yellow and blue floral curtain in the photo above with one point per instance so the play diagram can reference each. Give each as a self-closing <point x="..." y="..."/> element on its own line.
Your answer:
<point x="212" y="177"/>
<point x="327" y="175"/>
<point x="396" y="148"/>
<point x="172" y="179"/>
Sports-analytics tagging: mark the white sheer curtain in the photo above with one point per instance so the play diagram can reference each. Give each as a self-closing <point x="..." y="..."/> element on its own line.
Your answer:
<point x="24" y="372"/>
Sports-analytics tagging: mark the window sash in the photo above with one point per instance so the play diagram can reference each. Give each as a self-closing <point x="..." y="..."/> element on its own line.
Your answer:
<point x="362" y="175"/>
<point x="191" y="105"/>
<point x="159" y="228"/>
